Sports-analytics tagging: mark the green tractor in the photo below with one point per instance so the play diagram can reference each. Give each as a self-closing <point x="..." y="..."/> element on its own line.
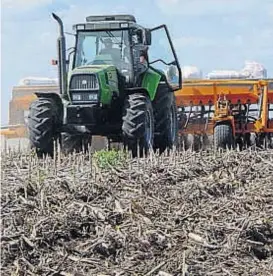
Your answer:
<point x="118" y="81"/>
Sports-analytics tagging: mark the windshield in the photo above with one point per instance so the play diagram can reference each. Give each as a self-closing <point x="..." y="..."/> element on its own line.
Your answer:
<point x="103" y="47"/>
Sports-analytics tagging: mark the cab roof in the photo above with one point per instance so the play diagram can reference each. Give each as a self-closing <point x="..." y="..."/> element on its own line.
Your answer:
<point x="117" y="17"/>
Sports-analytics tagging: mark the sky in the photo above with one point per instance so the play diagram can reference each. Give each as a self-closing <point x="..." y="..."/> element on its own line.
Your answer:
<point x="209" y="34"/>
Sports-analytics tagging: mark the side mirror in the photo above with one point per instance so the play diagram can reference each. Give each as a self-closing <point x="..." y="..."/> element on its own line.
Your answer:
<point x="144" y="36"/>
<point x="147" y="37"/>
<point x="139" y="36"/>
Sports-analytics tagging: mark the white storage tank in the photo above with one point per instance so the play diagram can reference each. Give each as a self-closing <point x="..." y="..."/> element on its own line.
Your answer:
<point x="34" y="81"/>
<point x="254" y="70"/>
<point x="226" y="74"/>
<point x="251" y="70"/>
<point x="191" y="72"/>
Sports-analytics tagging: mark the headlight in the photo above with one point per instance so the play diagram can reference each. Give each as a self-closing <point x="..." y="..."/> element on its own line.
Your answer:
<point x="85" y="97"/>
<point x="92" y="97"/>
<point x="76" y="97"/>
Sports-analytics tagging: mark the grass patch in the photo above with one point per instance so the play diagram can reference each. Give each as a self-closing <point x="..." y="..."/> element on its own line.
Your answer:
<point x="112" y="158"/>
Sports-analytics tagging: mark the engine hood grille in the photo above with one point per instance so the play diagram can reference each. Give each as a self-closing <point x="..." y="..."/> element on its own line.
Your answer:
<point x="84" y="82"/>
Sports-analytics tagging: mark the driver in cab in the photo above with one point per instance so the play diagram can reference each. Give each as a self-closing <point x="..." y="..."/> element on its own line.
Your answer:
<point x="109" y="50"/>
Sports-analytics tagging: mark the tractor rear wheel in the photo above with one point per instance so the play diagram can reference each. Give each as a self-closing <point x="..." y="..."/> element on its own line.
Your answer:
<point x="138" y="124"/>
<point x="42" y="118"/>
<point x="223" y="136"/>
<point x="75" y="143"/>
<point x="166" y="124"/>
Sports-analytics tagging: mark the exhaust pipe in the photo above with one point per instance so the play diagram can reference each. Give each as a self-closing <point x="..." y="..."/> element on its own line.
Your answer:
<point x="61" y="48"/>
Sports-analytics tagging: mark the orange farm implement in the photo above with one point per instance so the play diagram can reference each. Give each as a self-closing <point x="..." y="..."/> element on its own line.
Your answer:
<point x="230" y="112"/>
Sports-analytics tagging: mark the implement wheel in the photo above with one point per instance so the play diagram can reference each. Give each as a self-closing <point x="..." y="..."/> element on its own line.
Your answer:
<point x="223" y="136"/>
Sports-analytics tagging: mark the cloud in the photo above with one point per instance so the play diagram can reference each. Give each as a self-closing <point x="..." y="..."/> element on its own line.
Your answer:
<point x="24" y="4"/>
<point x="270" y="11"/>
<point x="209" y="7"/>
<point x="192" y="41"/>
<point x="255" y="41"/>
<point x="261" y="43"/>
<point x="208" y="44"/>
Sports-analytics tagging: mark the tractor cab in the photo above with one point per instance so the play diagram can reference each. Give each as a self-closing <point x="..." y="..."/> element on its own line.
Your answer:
<point x="120" y="42"/>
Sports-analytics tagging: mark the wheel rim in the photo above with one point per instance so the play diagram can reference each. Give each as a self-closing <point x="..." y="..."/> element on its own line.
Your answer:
<point x="148" y="132"/>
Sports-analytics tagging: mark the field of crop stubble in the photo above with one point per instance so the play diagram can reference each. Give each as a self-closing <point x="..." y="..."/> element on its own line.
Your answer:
<point x="191" y="213"/>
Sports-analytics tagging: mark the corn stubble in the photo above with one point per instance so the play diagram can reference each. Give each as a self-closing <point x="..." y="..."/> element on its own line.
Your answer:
<point x="190" y="213"/>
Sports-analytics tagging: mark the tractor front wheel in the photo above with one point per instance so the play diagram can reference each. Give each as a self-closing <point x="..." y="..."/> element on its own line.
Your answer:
<point x="138" y="124"/>
<point x="42" y="119"/>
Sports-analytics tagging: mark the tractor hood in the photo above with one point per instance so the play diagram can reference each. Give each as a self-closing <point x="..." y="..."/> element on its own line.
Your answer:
<point x="92" y="69"/>
<point x="105" y="76"/>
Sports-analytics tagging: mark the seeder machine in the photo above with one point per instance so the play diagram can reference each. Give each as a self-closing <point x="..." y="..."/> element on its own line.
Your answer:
<point x="230" y="113"/>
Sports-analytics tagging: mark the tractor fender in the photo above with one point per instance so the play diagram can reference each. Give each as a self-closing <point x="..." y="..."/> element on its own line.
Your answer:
<point x="50" y="95"/>
<point x="150" y="82"/>
<point x="137" y="90"/>
<point x="57" y="100"/>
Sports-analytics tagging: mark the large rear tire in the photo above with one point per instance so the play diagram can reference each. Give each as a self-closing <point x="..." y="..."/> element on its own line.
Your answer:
<point x="138" y="124"/>
<point x="42" y="120"/>
<point x="223" y="136"/>
<point x="75" y="143"/>
<point x="166" y="123"/>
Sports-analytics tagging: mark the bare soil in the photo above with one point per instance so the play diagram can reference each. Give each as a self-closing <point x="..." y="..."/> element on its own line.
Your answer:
<point x="187" y="214"/>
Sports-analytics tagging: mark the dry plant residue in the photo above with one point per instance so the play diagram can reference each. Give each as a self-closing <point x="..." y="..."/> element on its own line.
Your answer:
<point x="187" y="214"/>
